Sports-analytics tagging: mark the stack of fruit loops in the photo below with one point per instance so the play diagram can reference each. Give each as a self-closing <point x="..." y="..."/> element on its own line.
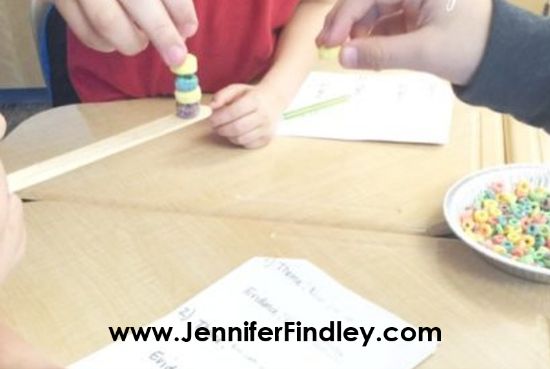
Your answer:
<point x="188" y="92"/>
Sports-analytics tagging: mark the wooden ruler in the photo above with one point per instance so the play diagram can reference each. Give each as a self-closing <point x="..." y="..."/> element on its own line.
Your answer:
<point x="57" y="166"/>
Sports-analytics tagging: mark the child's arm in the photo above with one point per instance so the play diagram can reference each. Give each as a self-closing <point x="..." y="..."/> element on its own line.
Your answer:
<point x="17" y="354"/>
<point x="297" y="52"/>
<point x="247" y="115"/>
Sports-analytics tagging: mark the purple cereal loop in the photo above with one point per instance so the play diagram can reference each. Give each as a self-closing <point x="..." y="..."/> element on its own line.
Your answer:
<point x="187" y="111"/>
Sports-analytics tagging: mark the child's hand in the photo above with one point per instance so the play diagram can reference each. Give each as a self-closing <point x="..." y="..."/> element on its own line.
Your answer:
<point x="128" y="25"/>
<point x="444" y="37"/>
<point x="12" y="229"/>
<point x="246" y="115"/>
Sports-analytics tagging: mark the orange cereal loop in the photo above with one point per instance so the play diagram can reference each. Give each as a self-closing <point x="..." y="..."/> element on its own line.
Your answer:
<point x="498" y="239"/>
<point x="521" y="193"/>
<point x="539" y="218"/>
<point x="485" y="230"/>
<point x="518" y="252"/>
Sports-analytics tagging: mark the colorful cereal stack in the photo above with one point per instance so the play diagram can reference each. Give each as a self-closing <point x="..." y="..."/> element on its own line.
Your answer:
<point x="514" y="223"/>
<point x="188" y="92"/>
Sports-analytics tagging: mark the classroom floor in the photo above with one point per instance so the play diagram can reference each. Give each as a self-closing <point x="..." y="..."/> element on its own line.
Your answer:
<point x="17" y="113"/>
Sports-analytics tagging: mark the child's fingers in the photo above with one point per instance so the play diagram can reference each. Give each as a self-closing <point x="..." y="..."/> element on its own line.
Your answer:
<point x="184" y="16"/>
<point x="390" y="25"/>
<point x="228" y="95"/>
<point x="411" y="12"/>
<point x="365" y="25"/>
<point x="230" y="113"/>
<point x="112" y="23"/>
<point x="249" y="138"/>
<point x="239" y="127"/>
<point x="380" y="52"/>
<point x="339" y="22"/>
<point x="81" y="26"/>
<point x="260" y="142"/>
<point x="153" y="18"/>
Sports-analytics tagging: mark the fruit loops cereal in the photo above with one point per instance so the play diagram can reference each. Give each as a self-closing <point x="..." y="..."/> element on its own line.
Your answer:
<point x="330" y="54"/>
<point x="514" y="223"/>
<point x="188" y="92"/>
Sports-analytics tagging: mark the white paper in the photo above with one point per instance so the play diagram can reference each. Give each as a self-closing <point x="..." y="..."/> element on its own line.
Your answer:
<point x="270" y="291"/>
<point x="388" y="106"/>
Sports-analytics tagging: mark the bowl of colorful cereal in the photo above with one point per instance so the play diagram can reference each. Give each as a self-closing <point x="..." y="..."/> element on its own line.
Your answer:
<point x="504" y="214"/>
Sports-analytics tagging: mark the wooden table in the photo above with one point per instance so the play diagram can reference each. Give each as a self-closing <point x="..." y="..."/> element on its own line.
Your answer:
<point x="525" y="144"/>
<point x="379" y="186"/>
<point x="89" y="267"/>
<point x="128" y="239"/>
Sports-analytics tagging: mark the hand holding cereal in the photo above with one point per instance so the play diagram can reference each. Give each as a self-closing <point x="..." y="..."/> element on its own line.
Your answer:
<point x="446" y="38"/>
<point x="127" y="26"/>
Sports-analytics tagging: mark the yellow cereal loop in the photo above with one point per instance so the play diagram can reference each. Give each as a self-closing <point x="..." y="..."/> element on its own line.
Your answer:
<point x="189" y="66"/>
<point x="523" y="186"/>
<point x="527" y="241"/>
<point x="506" y="198"/>
<point x="514" y="237"/>
<point x="495" y="212"/>
<point x="481" y="216"/>
<point x="329" y="54"/>
<point x="191" y="97"/>
<point x="490" y="204"/>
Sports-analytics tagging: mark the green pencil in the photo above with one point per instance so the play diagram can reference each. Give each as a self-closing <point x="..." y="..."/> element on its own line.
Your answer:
<point x="315" y="107"/>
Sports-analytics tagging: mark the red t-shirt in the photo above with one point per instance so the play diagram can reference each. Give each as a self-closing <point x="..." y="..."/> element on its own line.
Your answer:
<point x="235" y="43"/>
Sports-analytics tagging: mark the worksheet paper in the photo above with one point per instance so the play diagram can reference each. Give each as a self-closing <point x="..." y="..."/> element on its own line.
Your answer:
<point x="270" y="291"/>
<point x="386" y="106"/>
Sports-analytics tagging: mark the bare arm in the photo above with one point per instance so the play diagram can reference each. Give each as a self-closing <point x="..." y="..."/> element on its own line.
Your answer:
<point x="297" y="52"/>
<point x="247" y="115"/>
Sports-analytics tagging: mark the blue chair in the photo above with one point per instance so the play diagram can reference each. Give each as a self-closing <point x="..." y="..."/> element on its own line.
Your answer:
<point x="39" y="16"/>
<point x="50" y="35"/>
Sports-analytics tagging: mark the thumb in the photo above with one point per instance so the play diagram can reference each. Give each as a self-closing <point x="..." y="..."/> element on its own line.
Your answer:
<point x="227" y="95"/>
<point x="387" y="52"/>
